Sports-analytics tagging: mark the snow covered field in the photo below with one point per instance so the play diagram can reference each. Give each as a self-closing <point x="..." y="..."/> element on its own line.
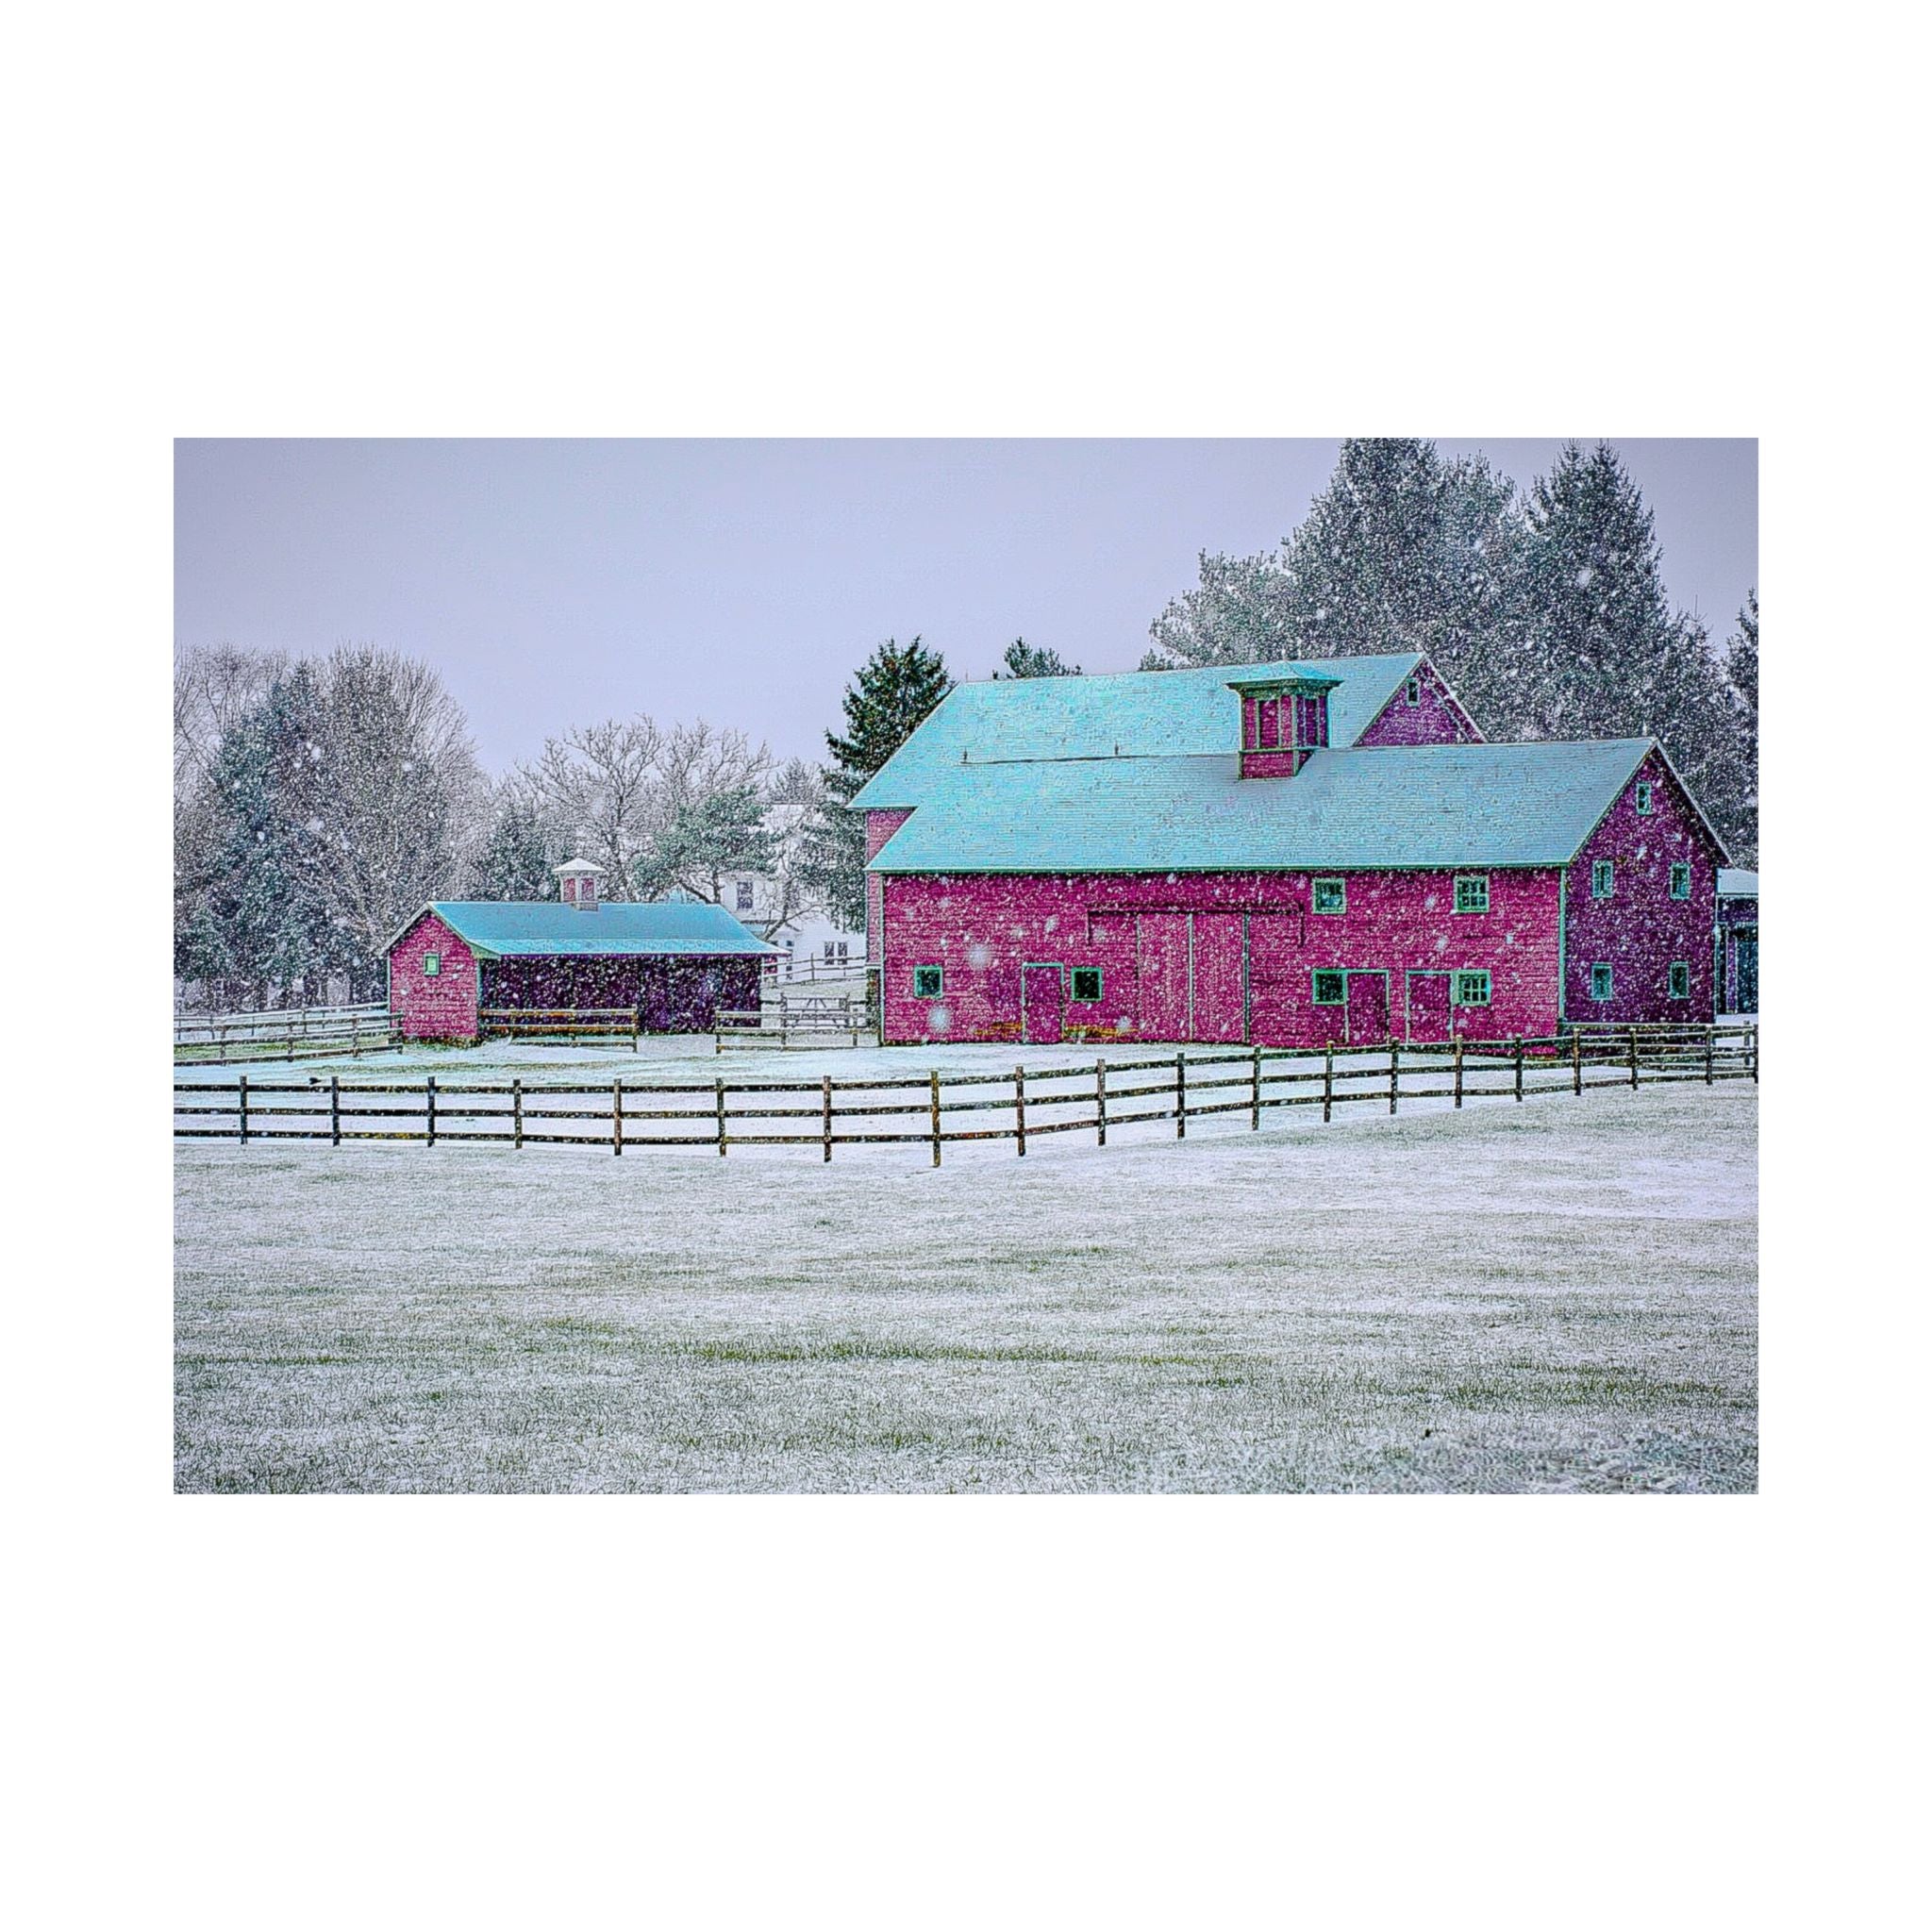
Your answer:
<point x="1559" y="1295"/>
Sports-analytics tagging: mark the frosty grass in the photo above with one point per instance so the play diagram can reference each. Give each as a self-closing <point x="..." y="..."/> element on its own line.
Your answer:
<point x="1559" y="1295"/>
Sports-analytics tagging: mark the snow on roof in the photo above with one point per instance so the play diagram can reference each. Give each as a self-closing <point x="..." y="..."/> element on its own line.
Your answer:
<point x="1137" y="713"/>
<point x="573" y="865"/>
<point x="547" y="928"/>
<point x="1435" y="804"/>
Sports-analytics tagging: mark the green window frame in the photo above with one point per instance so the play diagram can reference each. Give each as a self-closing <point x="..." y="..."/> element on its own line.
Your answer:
<point x="1330" y="986"/>
<point x="1645" y="797"/>
<point x="1329" y="895"/>
<point x="432" y="965"/>
<point x="928" y="982"/>
<point x="1602" y="878"/>
<point x="1472" y="891"/>
<point x="1413" y="692"/>
<point x="1086" y="984"/>
<point x="1469" y="990"/>
<point x="1680" y="880"/>
<point x="1603" y="982"/>
<point x="1680" y="979"/>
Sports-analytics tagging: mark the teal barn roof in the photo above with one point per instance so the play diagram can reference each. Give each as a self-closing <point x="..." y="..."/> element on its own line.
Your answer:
<point x="1410" y="806"/>
<point x="547" y="928"/>
<point x="1137" y="713"/>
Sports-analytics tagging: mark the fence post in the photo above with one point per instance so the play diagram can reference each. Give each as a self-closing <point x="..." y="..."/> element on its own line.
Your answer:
<point x="1394" y="1073"/>
<point x="634" y="1028"/>
<point x="245" y="1109"/>
<point x="1633" y="1057"/>
<point x="1752" y="1043"/>
<point x="334" y="1110"/>
<point x="1709" y="1057"/>
<point x="1459" y="1069"/>
<point x="1180" y="1096"/>
<point x="720" y="1120"/>
<point x="1100" y="1097"/>
<point x="1254" y="1100"/>
<point x="1327" y="1083"/>
<point x="935" y="1116"/>
<point x="1577" y="1062"/>
<point x="1519" y="1066"/>
<point x="1019" y="1108"/>
<point x="429" y="1091"/>
<point x="516" y="1109"/>
<point x="617" y="1117"/>
<point x="826" y="1117"/>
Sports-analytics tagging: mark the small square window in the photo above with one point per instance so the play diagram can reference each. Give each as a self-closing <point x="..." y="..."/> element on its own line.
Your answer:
<point x="432" y="965"/>
<point x="1331" y="988"/>
<point x="1472" y="989"/>
<point x="1603" y="879"/>
<point x="1414" y="692"/>
<point x="744" y="895"/>
<point x="1472" y="891"/>
<point x="1331" y="895"/>
<point x="1086" y="982"/>
<point x="928" y="982"/>
<point x="1680" y="881"/>
<point x="1643" y="798"/>
<point x="1680" y="979"/>
<point x="1600" y="982"/>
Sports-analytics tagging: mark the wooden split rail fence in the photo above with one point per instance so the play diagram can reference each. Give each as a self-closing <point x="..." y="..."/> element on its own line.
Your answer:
<point x="799" y="1020"/>
<point x="568" y="1025"/>
<point x="290" y="1034"/>
<point x="926" y="1109"/>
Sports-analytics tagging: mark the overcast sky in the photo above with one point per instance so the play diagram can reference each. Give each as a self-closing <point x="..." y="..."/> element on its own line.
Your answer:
<point x="558" y="583"/>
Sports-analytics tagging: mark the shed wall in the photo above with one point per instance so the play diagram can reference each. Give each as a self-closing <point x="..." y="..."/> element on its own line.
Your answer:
<point x="441" y="1008"/>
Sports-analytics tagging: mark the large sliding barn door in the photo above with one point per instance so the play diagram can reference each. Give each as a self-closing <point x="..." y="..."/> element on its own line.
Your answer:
<point x="1192" y="976"/>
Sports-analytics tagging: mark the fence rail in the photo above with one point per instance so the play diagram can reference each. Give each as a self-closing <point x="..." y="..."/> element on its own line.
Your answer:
<point x="566" y="1023"/>
<point x="290" y="1034"/>
<point x="925" y="1109"/>
<point x="797" y="1020"/>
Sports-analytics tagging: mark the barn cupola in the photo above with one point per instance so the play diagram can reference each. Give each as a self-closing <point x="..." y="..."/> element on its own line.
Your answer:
<point x="1284" y="720"/>
<point x="579" y="882"/>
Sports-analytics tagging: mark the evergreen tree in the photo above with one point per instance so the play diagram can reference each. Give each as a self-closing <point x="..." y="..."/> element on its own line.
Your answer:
<point x="517" y="861"/>
<point x="706" y="840"/>
<point x="1401" y="552"/>
<point x="1740" y="674"/>
<point x="1035" y="660"/>
<point x="894" y="690"/>
<point x="267" y="902"/>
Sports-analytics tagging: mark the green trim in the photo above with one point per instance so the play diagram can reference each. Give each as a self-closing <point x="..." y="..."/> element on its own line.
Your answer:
<point x="1335" y="973"/>
<point x="1463" y="995"/>
<point x="1338" y="888"/>
<point x="1412" y="692"/>
<point x="1680" y="870"/>
<point x="1479" y="882"/>
<point x="1563" y="944"/>
<point x="1075" y="975"/>
<point x="1679" y="981"/>
<point x="1645" y="799"/>
<point x="1604" y="988"/>
<point x="1602" y="878"/>
<point x="432" y="965"/>
<point x="920" y="991"/>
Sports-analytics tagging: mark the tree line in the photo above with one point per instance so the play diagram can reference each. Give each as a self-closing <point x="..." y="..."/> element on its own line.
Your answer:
<point x="320" y="803"/>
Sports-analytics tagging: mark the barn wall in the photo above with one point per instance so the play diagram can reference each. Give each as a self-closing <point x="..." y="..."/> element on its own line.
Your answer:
<point x="983" y="930"/>
<point x="671" y="994"/>
<point x="1640" y="929"/>
<point x="879" y="826"/>
<point x="443" y="1007"/>
<point x="1438" y="719"/>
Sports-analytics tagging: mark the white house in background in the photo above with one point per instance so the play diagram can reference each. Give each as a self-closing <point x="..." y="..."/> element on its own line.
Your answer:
<point x="807" y="934"/>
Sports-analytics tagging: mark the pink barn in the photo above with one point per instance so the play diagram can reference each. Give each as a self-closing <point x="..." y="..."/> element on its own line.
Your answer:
<point x="1293" y="854"/>
<point x="674" y="964"/>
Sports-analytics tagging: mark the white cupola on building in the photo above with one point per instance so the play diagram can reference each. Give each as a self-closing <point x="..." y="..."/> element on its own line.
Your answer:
<point x="577" y="881"/>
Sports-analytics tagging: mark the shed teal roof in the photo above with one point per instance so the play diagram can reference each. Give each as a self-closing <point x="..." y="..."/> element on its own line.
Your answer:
<point x="548" y="929"/>
<point x="1433" y="805"/>
<point x="1143" y="713"/>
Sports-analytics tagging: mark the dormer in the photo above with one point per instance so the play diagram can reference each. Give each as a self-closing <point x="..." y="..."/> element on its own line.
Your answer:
<point x="577" y="881"/>
<point x="1284" y="719"/>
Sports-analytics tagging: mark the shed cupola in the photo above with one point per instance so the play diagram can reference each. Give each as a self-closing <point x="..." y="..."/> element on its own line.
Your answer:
<point x="577" y="881"/>
<point x="1284" y="721"/>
